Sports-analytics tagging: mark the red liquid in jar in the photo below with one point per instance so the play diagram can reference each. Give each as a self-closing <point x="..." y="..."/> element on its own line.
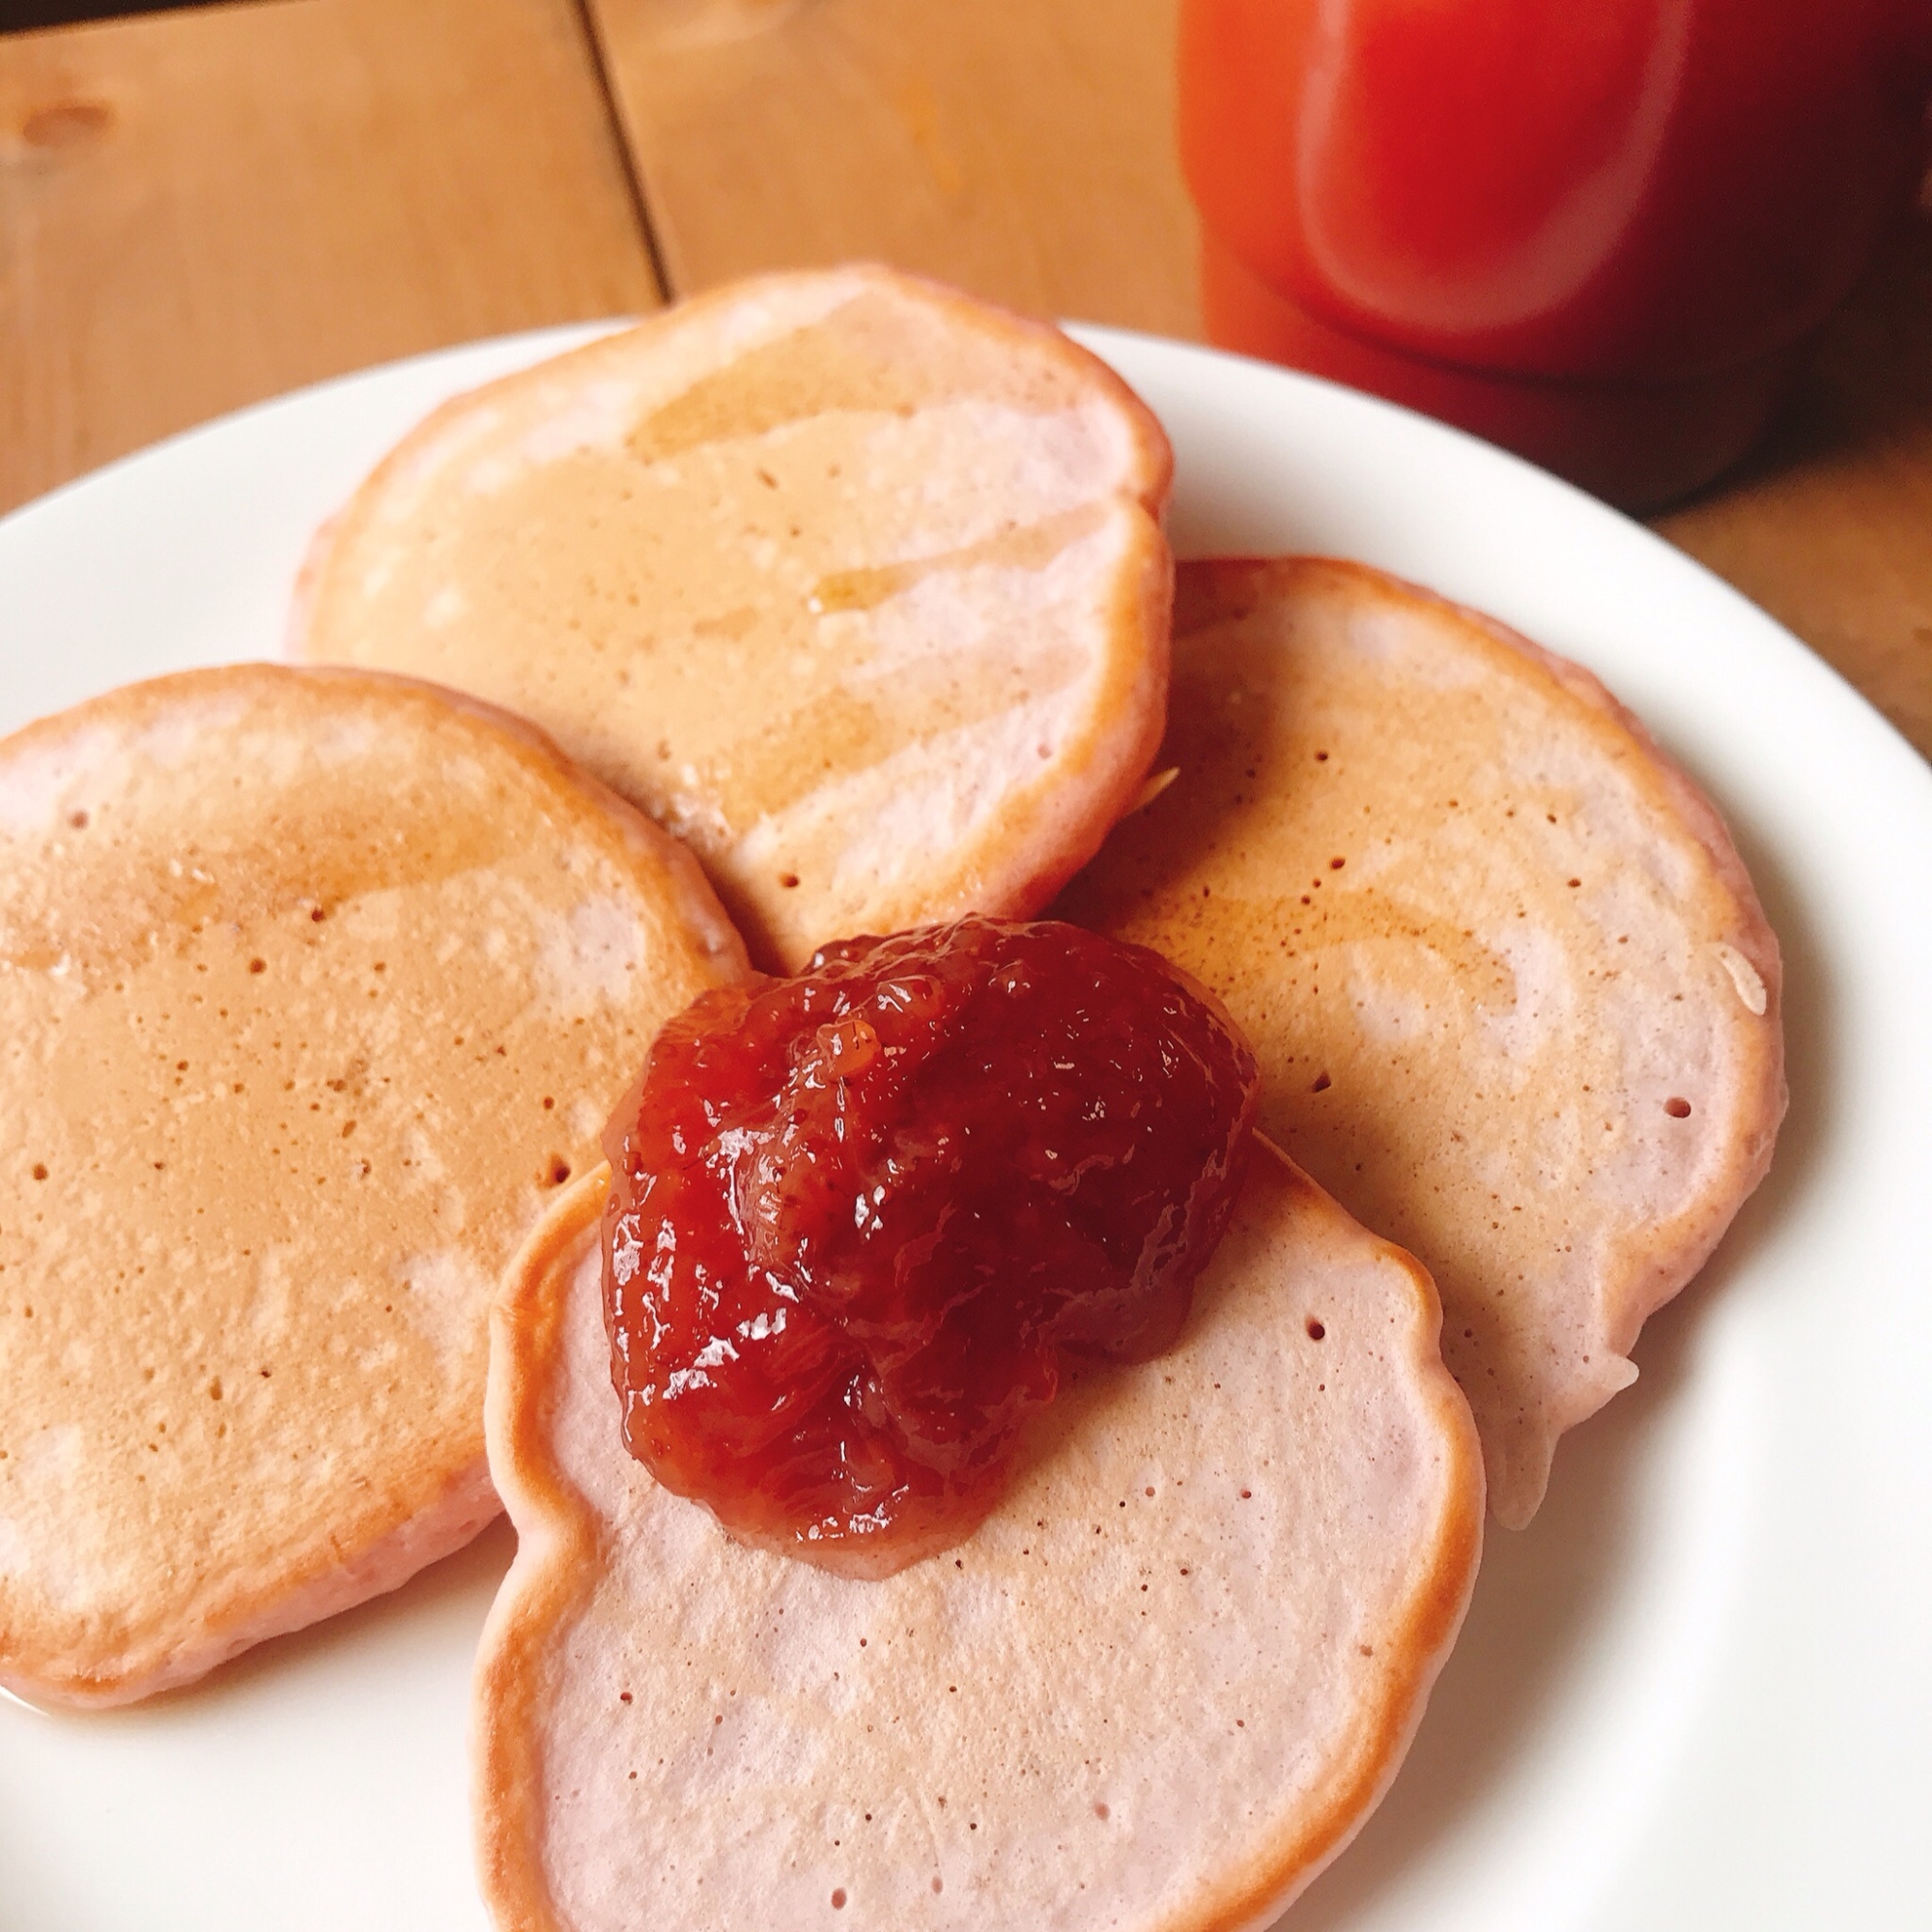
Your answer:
<point x="1596" y="230"/>
<point x="855" y="1218"/>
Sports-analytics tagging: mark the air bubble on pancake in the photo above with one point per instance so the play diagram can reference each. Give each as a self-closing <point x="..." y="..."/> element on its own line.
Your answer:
<point x="1745" y="977"/>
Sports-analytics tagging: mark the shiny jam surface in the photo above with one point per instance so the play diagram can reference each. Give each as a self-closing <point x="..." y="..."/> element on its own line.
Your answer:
<point x="857" y="1216"/>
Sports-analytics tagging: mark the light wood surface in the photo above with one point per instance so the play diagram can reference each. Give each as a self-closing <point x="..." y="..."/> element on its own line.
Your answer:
<point x="1830" y="528"/>
<point x="1019" y="148"/>
<point x="200" y="208"/>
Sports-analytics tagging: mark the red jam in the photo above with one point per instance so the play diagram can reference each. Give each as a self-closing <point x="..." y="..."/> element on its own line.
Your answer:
<point x="855" y="1218"/>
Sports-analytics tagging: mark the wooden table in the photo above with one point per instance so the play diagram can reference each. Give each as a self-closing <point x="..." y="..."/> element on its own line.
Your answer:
<point x="199" y="209"/>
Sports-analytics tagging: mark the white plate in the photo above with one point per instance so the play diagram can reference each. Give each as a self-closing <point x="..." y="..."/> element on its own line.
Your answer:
<point x="1695" y="1693"/>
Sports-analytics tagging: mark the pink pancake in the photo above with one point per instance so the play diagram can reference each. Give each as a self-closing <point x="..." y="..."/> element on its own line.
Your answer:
<point x="315" y="986"/>
<point x="1155" y="1691"/>
<point x="1515" y="1003"/>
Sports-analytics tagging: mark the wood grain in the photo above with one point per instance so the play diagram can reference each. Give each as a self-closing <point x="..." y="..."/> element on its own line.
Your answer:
<point x="201" y="209"/>
<point x="1830" y="527"/>
<point x="1022" y="148"/>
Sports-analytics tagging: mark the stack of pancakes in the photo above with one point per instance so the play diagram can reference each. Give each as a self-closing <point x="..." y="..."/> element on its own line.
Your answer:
<point x="831" y="603"/>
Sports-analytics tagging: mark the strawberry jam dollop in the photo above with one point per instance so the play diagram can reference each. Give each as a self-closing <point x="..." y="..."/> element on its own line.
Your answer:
<point x="857" y="1217"/>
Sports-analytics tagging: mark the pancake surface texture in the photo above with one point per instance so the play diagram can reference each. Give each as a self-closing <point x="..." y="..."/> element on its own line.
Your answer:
<point x="314" y="988"/>
<point x="1515" y="1001"/>
<point x="1155" y="1691"/>
<point x="856" y="583"/>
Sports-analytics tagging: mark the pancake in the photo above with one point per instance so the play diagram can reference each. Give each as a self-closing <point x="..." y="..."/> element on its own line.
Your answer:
<point x="1515" y="1001"/>
<point x="1155" y="1691"/>
<point x="314" y="988"/>
<point x="852" y="582"/>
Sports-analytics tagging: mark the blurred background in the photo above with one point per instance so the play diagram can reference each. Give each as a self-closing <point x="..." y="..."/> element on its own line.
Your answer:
<point x="204" y="206"/>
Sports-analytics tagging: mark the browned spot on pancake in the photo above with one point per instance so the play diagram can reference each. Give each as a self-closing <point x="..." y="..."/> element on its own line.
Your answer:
<point x="353" y="842"/>
<point x="853" y="727"/>
<point x="869" y="356"/>
<point x="1244" y="773"/>
<point x="67" y="124"/>
<point x="1236" y="926"/>
<point x="733" y="624"/>
<point x="1026" y="547"/>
